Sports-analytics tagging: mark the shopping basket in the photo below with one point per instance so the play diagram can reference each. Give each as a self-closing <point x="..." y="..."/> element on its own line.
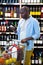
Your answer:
<point x="15" y="54"/>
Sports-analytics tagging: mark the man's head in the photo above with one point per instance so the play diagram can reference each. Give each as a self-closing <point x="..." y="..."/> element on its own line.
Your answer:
<point x="24" y="12"/>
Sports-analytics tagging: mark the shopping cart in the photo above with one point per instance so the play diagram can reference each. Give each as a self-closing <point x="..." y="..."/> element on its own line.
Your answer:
<point x="15" y="54"/>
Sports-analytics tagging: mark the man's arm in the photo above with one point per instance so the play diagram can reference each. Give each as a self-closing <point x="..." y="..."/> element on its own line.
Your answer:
<point x="26" y="39"/>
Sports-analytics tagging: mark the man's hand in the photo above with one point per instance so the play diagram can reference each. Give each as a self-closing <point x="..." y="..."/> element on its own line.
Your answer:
<point x="23" y="40"/>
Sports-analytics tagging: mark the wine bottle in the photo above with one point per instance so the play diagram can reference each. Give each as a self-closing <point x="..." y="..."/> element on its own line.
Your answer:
<point x="23" y="1"/>
<point x="40" y="58"/>
<point x="36" y="58"/>
<point x="32" y="1"/>
<point x="35" y="1"/>
<point x="12" y="12"/>
<point x="38" y="1"/>
<point x="6" y="15"/>
<point x="15" y="13"/>
<point x="8" y="12"/>
<point x="41" y="12"/>
<point x="32" y="59"/>
<point x="26" y="1"/>
<point x="10" y="38"/>
<point x="0" y="28"/>
<point x="3" y="1"/>
<point x="15" y="1"/>
<point x="1" y="12"/>
<point x="0" y="1"/>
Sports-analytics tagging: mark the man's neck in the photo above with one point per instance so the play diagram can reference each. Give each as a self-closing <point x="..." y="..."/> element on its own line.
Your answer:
<point x="27" y="17"/>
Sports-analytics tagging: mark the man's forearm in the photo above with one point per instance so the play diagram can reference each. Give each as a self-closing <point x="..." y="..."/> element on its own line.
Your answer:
<point x="26" y="39"/>
<point x="29" y="38"/>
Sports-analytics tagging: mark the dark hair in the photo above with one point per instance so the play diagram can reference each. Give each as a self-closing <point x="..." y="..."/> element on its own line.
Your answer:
<point x="25" y="8"/>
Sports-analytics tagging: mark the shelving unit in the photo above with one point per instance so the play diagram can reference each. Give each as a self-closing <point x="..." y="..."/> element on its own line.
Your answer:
<point x="12" y="8"/>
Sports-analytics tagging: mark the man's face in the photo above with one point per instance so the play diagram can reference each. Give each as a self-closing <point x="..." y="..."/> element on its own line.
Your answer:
<point x="23" y="13"/>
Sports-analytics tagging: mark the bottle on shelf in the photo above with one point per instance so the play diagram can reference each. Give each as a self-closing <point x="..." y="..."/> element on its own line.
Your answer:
<point x="32" y="1"/>
<point x="4" y="37"/>
<point x="8" y="38"/>
<point x="0" y="28"/>
<point x="41" y="1"/>
<point x="41" y="12"/>
<point x="7" y="28"/>
<point x="23" y="1"/>
<point x="12" y="12"/>
<point x="38" y="1"/>
<point x="36" y="58"/>
<point x="0" y="1"/>
<point x="1" y="12"/>
<point x="8" y="1"/>
<point x="16" y="36"/>
<point x="0" y="52"/>
<point x="35" y="1"/>
<point x="12" y="1"/>
<point x="15" y="12"/>
<point x="39" y="9"/>
<point x="3" y="27"/>
<point x="8" y="12"/>
<point x="40" y="58"/>
<point x="3" y="1"/>
<point x="15" y="26"/>
<point x="1" y="38"/>
<point x="41" y="28"/>
<point x="15" y="1"/>
<point x="32" y="59"/>
<point x="2" y="23"/>
<point x="28" y="1"/>
<point x="13" y="36"/>
<point x="6" y="8"/>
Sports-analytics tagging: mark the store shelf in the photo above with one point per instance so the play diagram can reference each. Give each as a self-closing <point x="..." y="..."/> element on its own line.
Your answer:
<point x="17" y="18"/>
<point x="31" y="3"/>
<point x="38" y="47"/>
<point x="7" y="33"/>
<point x="1" y="18"/>
<point x="11" y="18"/>
<point x="9" y="43"/>
<point x="4" y="43"/>
<point x="10" y="4"/>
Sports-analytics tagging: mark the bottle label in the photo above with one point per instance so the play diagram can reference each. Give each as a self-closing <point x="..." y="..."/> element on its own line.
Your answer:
<point x="36" y="61"/>
<point x="15" y="15"/>
<point x="40" y="61"/>
<point x="32" y="61"/>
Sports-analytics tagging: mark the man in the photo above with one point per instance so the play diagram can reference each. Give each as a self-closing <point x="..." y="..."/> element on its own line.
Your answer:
<point x="28" y="29"/>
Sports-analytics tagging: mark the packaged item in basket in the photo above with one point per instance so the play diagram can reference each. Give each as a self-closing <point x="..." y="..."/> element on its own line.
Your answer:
<point x="15" y="51"/>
